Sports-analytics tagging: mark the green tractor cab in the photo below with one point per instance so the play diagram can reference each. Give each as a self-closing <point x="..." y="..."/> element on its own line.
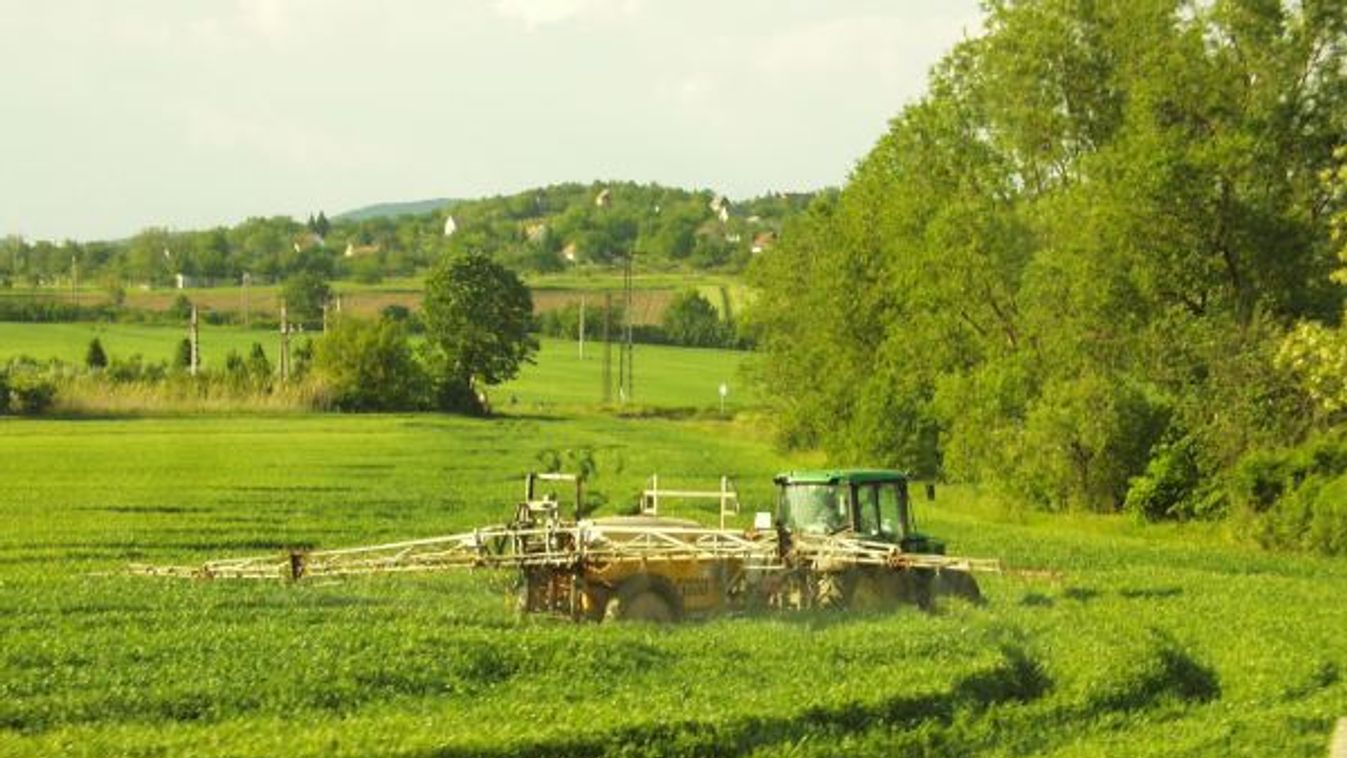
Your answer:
<point x="871" y="504"/>
<point x="866" y="504"/>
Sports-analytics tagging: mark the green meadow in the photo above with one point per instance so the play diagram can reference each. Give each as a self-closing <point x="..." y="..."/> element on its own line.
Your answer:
<point x="666" y="377"/>
<point x="1150" y="641"/>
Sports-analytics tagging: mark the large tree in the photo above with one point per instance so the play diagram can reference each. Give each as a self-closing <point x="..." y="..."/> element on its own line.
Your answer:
<point x="305" y="293"/>
<point x="478" y="320"/>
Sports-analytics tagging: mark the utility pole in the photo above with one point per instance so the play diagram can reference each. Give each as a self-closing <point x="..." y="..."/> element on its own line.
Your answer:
<point x="195" y="339"/>
<point x="74" y="283"/>
<point x="582" y="327"/>
<point x="607" y="348"/>
<point x="247" y="279"/>
<point x="285" y="345"/>
<point x="628" y="392"/>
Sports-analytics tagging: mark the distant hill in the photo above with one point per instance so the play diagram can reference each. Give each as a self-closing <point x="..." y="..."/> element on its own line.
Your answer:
<point x="393" y="210"/>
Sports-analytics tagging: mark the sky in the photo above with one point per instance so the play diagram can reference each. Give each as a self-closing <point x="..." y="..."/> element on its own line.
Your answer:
<point x="116" y="115"/>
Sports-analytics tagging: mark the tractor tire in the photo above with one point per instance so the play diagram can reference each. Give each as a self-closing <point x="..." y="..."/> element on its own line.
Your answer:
<point x="915" y="588"/>
<point x="960" y="584"/>
<point x="870" y="590"/>
<point x="644" y="597"/>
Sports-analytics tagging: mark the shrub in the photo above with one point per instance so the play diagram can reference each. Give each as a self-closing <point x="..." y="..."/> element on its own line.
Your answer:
<point x="564" y="322"/>
<point x="182" y="355"/>
<point x="369" y="366"/>
<point x="181" y="308"/>
<point x="134" y="369"/>
<point x="692" y="321"/>
<point x="94" y="357"/>
<point x="1169" y="487"/>
<point x="1084" y="439"/>
<point x="259" y="368"/>
<point x="31" y="395"/>
<point x="1297" y="497"/>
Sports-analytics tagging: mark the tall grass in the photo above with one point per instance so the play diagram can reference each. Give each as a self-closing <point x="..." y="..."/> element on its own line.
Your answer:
<point x="93" y="396"/>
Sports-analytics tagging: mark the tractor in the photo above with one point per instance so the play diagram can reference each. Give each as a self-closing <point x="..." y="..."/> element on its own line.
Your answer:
<point x="837" y="539"/>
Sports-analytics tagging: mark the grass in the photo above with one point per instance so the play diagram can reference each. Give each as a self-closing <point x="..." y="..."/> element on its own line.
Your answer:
<point x="665" y="377"/>
<point x="69" y="341"/>
<point x="1154" y="641"/>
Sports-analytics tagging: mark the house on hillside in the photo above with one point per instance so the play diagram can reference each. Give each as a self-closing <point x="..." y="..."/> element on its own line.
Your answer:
<point x="450" y="226"/>
<point x="762" y="241"/>
<point x="720" y="205"/>
<point x="353" y="250"/>
<point x="307" y="241"/>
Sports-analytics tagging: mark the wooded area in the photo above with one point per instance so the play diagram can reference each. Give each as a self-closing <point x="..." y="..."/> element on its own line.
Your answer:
<point x="1070" y="269"/>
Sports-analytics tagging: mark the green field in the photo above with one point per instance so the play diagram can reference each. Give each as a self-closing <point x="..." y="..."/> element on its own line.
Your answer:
<point x="666" y="377"/>
<point x="1155" y="641"/>
<point x="69" y="341"/>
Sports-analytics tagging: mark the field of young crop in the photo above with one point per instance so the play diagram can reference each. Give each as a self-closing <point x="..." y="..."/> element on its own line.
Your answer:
<point x="1153" y="641"/>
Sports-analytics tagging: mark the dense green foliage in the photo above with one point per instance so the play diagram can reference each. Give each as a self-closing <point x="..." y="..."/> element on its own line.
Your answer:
<point x="365" y="365"/>
<point x="306" y="294"/>
<point x="479" y="318"/>
<point x="543" y="229"/>
<point x="1157" y="641"/>
<point x="691" y="320"/>
<point x="1073" y="262"/>
<point x="95" y="357"/>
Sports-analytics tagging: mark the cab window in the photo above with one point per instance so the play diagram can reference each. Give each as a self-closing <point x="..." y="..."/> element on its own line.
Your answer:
<point x="814" y="508"/>
<point x="870" y="522"/>
<point x="893" y="509"/>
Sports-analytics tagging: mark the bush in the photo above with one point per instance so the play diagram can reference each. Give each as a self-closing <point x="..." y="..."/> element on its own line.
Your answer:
<point x="182" y="355"/>
<point x="1297" y="497"/>
<point x="31" y="395"/>
<point x="1084" y="439"/>
<point x="369" y="366"/>
<point x="692" y="321"/>
<point x="564" y="322"/>
<point x="94" y="357"/>
<point x="4" y="393"/>
<point x="305" y="294"/>
<point x="181" y="308"/>
<point x="259" y="368"/>
<point x="134" y="369"/>
<point x="1169" y="489"/>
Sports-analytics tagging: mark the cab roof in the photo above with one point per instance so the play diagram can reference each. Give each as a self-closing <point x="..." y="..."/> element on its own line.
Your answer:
<point x="841" y="476"/>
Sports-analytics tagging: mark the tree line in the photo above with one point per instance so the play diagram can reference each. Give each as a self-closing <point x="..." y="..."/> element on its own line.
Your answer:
<point x="1081" y="267"/>
<point x="539" y="230"/>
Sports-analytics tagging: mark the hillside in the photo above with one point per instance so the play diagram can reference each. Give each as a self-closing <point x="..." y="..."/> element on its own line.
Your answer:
<point x="397" y="209"/>
<point x="540" y="230"/>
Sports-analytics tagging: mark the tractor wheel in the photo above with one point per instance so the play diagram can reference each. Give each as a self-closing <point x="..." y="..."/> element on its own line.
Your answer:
<point x="873" y="591"/>
<point x="914" y="587"/>
<point x="644" y="598"/>
<point x="959" y="584"/>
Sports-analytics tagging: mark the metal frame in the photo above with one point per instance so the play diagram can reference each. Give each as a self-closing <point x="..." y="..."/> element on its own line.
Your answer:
<point x="561" y="554"/>
<point x="727" y="495"/>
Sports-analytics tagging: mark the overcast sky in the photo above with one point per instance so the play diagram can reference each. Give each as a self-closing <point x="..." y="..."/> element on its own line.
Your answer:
<point x="121" y="114"/>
